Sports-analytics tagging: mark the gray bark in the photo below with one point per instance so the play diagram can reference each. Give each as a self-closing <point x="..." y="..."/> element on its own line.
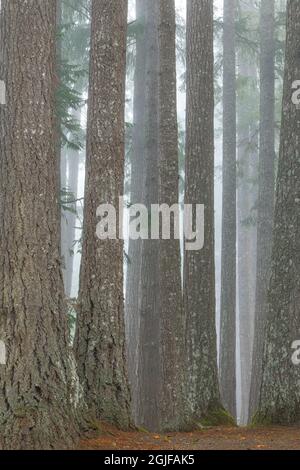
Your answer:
<point x="266" y="190"/>
<point x="149" y="361"/>
<point x="133" y="282"/>
<point x="279" y="400"/>
<point x="161" y="317"/>
<point x="100" y="334"/>
<point x="228" y="274"/>
<point x="247" y="111"/>
<point x="171" y="305"/>
<point x="199" y="268"/>
<point x="37" y="409"/>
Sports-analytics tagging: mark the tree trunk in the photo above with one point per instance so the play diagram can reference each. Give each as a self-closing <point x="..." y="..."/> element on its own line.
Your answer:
<point x="246" y="226"/>
<point x="199" y="268"/>
<point x="133" y="282"/>
<point x="247" y="112"/>
<point x="171" y="308"/>
<point x="228" y="275"/>
<point x="100" y="334"/>
<point x="266" y="190"/>
<point x="280" y="393"/>
<point x="149" y="361"/>
<point x="37" y="383"/>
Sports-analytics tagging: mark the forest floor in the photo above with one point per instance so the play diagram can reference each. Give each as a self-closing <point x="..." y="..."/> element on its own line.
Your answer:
<point x="217" y="438"/>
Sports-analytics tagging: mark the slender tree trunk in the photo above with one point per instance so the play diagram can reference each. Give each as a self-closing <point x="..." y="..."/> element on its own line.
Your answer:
<point x="133" y="285"/>
<point x="279" y="400"/>
<point x="266" y="190"/>
<point x="100" y="335"/>
<point x="246" y="200"/>
<point x="171" y="305"/>
<point x="149" y="360"/>
<point x="228" y="281"/>
<point x="247" y="111"/>
<point x="199" y="269"/>
<point x="37" y="382"/>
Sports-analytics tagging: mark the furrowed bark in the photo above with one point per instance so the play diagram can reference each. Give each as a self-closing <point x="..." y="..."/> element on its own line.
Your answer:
<point x="266" y="191"/>
<point x="133" y="282"/>
<point x="149" y="360"/>
<point x="100" y="334"/>
<point x="199" y="269"/>
<point x="172" y="412"/>
<point x="279" y="400"/>
<point x="38" y="383"/>
<point x="228" y="275"/>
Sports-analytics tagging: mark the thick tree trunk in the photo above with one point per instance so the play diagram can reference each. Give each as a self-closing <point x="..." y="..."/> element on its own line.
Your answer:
<point x="228" y="275"/>
<point x="149" y="361"/>
<point x="171" y="305"/>
<point x="199" y="269"/>
<point x="133" y="282"/>
<point x="279" y="400"/>
<point x="266" y="190"/>
<point x="37" y="382"/>
<point x="100" y="334"/>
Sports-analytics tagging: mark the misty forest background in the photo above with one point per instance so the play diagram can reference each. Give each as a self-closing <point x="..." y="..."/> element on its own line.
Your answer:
<point x="162" y="101"/>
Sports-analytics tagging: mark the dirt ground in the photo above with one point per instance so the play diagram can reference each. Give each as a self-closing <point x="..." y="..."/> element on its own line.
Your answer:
<point x="218" y="438"/>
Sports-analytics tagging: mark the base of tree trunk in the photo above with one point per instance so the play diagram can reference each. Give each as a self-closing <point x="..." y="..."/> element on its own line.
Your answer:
<point x="215" y="416"/>
<point x="42" y="427"/>
<point x="287" y="415"/>
<point x="117" y="417"/>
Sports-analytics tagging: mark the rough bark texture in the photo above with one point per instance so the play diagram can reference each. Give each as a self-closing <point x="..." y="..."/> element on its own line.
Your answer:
<point x="228" y="275"/>
<point x="149" y="361"/>
<point x="279" y="400"/>
<point x="171" y="308"/>
<point x="199" y="268"/>
<point x="133" y="282"/>
<point x="100" y="335"/>
<point x="37" y="382"/>
<point x="266" y="190"/>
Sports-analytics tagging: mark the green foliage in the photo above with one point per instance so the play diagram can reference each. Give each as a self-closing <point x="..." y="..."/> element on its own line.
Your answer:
<point x="73" y="58"/>
<point x="69" y="100"/>
<point x="71" y="314"/>
<point x="68" y="200"/>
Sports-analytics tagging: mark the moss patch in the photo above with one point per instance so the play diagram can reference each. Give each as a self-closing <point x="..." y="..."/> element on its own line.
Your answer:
<point x="217" y="417"/>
